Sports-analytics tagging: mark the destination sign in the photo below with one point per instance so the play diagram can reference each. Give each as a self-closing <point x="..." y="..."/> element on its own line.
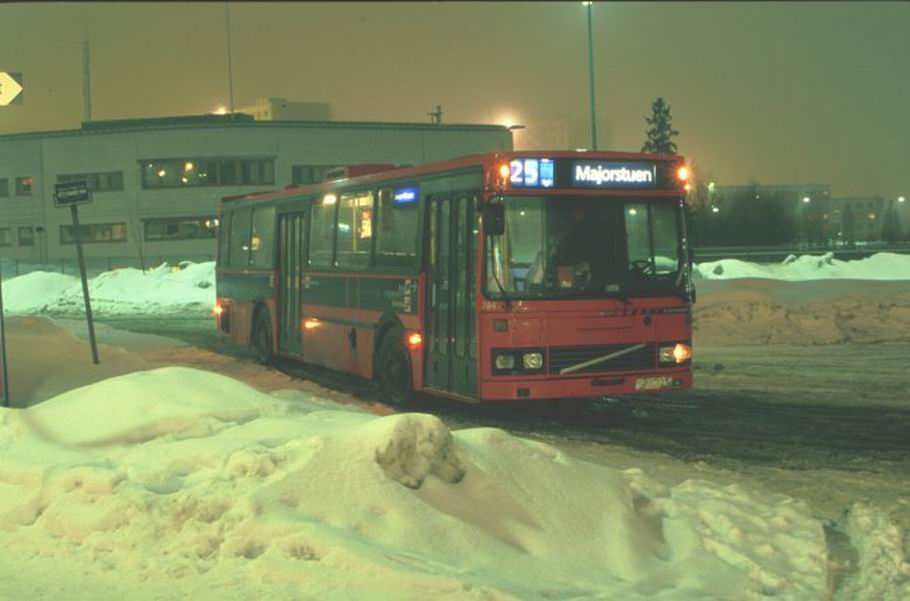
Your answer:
<point x="613" y="174"/>
<point x="532" y="173"/>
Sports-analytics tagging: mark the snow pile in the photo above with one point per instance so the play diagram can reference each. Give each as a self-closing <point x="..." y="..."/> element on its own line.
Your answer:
<point x="36" y="292"/>
<point x="883" y="571"/>
<point x="763" y="311"/>
<point x="178" y="483"/>
<point x="128" y="291"/>
<point x="880" y="266"/>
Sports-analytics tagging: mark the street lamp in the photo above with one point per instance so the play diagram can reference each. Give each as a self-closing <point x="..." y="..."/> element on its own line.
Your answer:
<point x="588" y="6"/>
<point x="900" y="199"/>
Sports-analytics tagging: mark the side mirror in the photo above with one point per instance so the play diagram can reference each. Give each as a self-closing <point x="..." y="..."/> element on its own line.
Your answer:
<point x="494" y="219"/>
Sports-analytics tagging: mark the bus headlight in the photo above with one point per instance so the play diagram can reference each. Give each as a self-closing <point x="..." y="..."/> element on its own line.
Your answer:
<point x="504" y="361"/>
<point x="532" y="360"/>
<point x="678" y="353"/>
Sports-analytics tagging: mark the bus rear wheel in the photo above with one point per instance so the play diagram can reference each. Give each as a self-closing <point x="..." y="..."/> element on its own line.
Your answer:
<point x="393" y="370"/>
<point x="262" y="338"/>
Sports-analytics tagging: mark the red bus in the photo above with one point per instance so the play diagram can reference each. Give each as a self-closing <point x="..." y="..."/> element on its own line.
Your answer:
<point x="496" y="277"/>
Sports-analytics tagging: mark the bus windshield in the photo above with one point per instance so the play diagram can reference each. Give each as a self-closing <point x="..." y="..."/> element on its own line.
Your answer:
<point x="584" y="247"/>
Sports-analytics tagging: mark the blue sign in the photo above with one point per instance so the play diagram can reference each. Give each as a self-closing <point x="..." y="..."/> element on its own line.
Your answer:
<point x="531" y="173"/>
<point x="614" y="174"/>
<point x="405" y="196"/>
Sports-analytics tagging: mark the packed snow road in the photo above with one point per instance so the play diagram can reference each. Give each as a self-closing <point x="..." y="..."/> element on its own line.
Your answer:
<point x="821" y="425"/>
<point x="827" y="418"/>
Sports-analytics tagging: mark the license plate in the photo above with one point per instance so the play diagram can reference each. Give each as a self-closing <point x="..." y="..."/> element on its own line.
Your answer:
<point x="653" y="383"/>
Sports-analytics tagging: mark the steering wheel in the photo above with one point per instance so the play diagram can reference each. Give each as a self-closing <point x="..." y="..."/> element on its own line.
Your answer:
<point x="643" y="267"/>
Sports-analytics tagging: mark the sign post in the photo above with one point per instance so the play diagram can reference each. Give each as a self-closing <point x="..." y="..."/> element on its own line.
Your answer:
<point x="72" y="194"/>
<point x="4" y="381"/>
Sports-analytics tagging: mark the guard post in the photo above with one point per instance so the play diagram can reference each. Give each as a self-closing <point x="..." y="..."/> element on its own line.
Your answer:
<point x="4" y="381"/>
<point x="73" y="194"/>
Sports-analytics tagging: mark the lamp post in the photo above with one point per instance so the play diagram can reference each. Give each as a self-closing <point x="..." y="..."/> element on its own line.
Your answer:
<point x="588" y="6"/>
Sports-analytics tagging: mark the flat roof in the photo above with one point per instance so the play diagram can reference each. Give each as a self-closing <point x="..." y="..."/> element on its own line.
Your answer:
<point x="239" y="120"/>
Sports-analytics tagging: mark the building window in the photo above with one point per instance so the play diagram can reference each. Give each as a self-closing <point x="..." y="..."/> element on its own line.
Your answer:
<point x="6" y="238"/>
<point x="181" y="228"/>
<point x="24" y="186"/>
<point x="96" y="182"/>
<point x="309" y="174"/>
<point x="94" y="232"/>
<point x="4" y="187"/>
<point x="26" y="236"/>
<point x="190" y="173"/>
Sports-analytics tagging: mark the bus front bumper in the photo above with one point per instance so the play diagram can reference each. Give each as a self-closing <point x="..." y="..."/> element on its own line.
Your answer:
<point x="515" y="389"/>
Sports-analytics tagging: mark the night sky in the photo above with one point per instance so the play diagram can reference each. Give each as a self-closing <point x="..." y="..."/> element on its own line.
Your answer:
<point x="772" y="92"/>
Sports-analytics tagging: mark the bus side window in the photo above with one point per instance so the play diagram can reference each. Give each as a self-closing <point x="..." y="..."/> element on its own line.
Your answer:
<point x="240" y="238"/>
<point x="396" y="236"/>
<point x="322" y="231"/>
<point x="224" y="233"/>
<point x="355" y="230"/>
<point x="262" y="241"/>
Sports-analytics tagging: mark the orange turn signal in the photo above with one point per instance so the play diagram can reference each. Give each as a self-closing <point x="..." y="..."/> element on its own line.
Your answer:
<point x="414" y="340"/>
<point x="682" y="352"/>
<point x="309" y="324"/>
<point x="682" y="173"/>
<point x="505" y="171"/>
<point x="217" y="310"/>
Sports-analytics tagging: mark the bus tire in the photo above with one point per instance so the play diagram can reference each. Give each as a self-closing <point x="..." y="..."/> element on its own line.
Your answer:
<point x="262" y="337"/>
<point x="393" y="369"/>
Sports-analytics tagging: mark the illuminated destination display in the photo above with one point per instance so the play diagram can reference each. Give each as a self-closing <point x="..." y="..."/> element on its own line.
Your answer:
<point x="614" y="174"/>
<point x="405" y="196"/>
<point x="532" y="173"/>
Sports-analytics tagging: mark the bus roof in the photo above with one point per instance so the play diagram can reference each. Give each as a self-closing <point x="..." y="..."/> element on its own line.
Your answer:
<point x="485" y="161"/>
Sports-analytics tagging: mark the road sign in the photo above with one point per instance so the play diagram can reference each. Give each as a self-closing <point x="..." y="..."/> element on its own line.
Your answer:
<point x="10" y="88"/>
<point x="68" y="194"/>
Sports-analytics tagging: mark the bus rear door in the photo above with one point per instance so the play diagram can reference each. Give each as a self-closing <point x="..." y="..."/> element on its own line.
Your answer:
<point x="292" y="233"/>
<point x="451" y="361"/>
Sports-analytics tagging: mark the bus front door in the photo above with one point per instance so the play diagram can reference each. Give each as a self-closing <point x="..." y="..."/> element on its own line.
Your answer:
<point x="451" y="357"/>
<point x="291" y="246"/>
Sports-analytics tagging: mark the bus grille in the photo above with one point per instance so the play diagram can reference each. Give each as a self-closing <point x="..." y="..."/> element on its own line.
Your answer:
<point x="561" y="357"/>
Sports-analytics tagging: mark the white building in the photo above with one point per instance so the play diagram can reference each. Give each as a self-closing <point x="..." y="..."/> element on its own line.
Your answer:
<point x="157" y="183"/>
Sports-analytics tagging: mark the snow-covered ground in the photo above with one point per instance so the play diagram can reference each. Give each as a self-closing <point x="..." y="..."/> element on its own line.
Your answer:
<point x="180" y="483"/>
<point x="165" y="290"/>
<point x="880" y="266"/>
<point x="804" y="300"/>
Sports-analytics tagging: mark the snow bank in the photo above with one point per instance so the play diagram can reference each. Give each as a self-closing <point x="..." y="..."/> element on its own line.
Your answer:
<point x="880" y="266"/>
<point x="128" y="291"/>
<point x="178" y="483"/>
<point x="764" y="311"/>
<point x="36" y="292"/>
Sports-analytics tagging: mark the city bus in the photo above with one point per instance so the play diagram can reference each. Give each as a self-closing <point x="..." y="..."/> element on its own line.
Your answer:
<point x="499" y="277"/>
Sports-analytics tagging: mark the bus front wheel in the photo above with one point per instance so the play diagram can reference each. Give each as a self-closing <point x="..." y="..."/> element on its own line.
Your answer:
<point x="393" y="367"/>
<point x="262" y="337"/>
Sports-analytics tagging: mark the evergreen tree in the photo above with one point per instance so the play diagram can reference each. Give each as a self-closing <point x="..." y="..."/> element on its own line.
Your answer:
<point x="660" y="131"/>
<point x="892" y="232"/>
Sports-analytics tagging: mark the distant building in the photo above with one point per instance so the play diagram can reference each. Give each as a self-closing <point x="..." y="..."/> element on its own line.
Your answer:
<point x="157" y="183"/>
<point x="543" y="135"/>
<point x="857" y="218"/>
<point x="282" y="109"/>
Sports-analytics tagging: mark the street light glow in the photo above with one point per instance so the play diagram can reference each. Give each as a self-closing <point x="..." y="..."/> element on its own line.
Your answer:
<point x="715" y="210"/>
<point x="900" y="199"/>
<point x="220" y="111"/>
<point x="806" y="199"/>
